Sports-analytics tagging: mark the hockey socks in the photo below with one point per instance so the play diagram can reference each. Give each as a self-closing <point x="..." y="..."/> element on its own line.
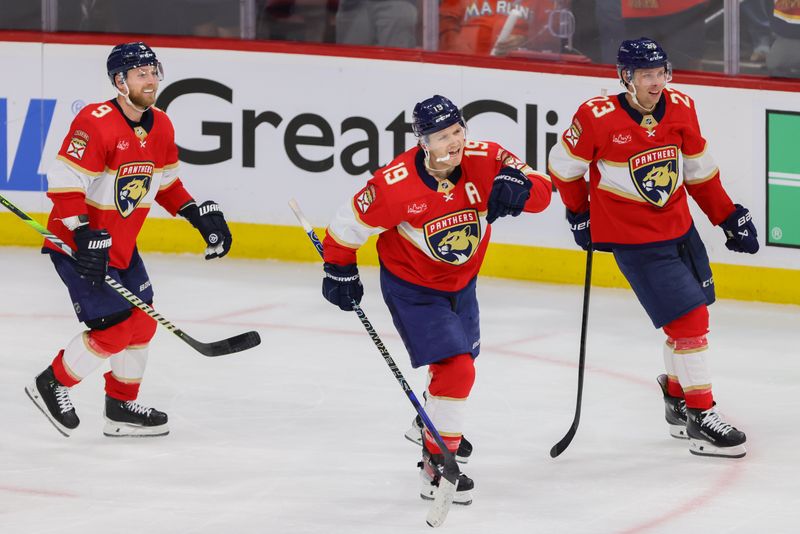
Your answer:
<point x="451" y="381"/>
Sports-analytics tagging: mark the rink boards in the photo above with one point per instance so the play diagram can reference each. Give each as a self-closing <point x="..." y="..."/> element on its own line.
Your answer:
<point x="258" y="127"/>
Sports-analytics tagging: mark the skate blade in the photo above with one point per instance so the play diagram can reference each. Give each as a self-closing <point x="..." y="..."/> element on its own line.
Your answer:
<point x="428" y="492"/>
<point x="33" y="394"/>
<point x="113" y="429"/>
<point x="703" y="448"/>
<point x="678" y="431"/>
<point x="414" y="435"/>
<point x="462" y="498"/>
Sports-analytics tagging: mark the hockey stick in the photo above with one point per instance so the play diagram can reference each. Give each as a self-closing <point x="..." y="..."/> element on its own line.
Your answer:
<point x="448" y="483"/>
<point x="216" y="348"/>
<point x="562" y="445"/>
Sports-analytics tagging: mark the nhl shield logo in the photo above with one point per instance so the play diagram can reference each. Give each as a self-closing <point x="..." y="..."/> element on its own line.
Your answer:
<point x="131" y="186"/>
<point x="455" y="237"/>
<point x="655" y="174"/>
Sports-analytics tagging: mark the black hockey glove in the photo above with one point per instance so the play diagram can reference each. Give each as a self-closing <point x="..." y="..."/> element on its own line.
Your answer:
<point x="91" y="254"/>
<point x="510" y="191"/>
<point x="740" y="231"/>
<point x="579" y="224"/>
<point x="341" y="285"/>
<point x="210" y="222"/>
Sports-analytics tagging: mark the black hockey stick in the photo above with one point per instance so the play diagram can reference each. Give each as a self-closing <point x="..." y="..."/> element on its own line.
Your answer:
<point x="216" y="348"/>
<point x="449" y="480"/>
<point x="562" y="445"/>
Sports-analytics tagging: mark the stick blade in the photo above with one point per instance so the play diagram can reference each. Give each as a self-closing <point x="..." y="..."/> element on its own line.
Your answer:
<point x="562" y="445"/>
<point x="441" y="502"/>
<point x="234" y="344"/>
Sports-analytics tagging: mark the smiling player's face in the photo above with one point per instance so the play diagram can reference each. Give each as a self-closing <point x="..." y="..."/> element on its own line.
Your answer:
<point x="649" y="84"/>
<point x="142" y="85"/>
<point x="446" y="147"/>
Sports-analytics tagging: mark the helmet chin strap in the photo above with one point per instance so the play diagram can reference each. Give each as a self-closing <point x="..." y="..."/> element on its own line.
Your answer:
<point x="127" y="97"/>
<point x="631" y="89"/>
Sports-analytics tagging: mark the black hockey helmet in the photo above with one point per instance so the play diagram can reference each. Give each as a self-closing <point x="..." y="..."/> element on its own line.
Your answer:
<point x="434" y="114"/>
<point x="127" y="56"/>
<point x="641" y="53"/>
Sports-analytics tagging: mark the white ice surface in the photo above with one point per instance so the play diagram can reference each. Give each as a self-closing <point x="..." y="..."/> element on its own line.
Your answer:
<point x="305" y="433"/>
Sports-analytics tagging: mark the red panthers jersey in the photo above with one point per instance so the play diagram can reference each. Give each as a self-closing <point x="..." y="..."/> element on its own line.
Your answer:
<point x="112" y="170"/>
<point x="640" y="169"/>
<point x="432" y="234"/>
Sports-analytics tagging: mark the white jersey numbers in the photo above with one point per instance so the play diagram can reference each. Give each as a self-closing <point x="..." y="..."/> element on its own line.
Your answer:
<point x="677" y="98"/>
<point x="394" y="174"/>
<point x="602" y="105"/>
<point x="476" y="148"/>
<point x="101" y="111"/>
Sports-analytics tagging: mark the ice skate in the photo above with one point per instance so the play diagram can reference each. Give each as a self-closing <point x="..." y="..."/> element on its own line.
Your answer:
<point x="52" y="398"/>
<point x="130" y="419"/>
<point x="674" y="411"/>
<point x="709" y="435"/>
<point x="431" y="468"/>
<point x="414" y="435"/>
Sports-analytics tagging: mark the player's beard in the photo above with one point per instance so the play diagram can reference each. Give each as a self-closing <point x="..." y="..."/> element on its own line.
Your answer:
<point x="143" y="100"/>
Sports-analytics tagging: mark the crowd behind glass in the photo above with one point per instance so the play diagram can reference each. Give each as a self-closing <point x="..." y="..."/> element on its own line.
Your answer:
<point x="765" y="34"/>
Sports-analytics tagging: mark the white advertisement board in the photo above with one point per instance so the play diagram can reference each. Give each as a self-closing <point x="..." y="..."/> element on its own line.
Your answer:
<point x="258" y="128"/>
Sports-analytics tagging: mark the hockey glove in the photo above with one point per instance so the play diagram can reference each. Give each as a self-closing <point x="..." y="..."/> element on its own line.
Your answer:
<point x="342" y="285"/>
<point x="510" y="191"/>
<point x="210" y="222"/>
<point x="740" y="231"/>
<point x="91" y="254"/>
<point x="579" y="224"/>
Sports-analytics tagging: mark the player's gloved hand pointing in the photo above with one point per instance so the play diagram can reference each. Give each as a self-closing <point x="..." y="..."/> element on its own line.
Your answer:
<point x="510" y="191"/>
<point x="740" y="231"/>
<point x="91" y="254"/>
<point x="210" y="222"/>
<point x="579" y="224"/>
<point x="342" y="285"/>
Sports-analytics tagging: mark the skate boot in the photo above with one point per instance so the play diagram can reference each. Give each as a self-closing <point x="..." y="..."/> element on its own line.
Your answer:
<point x="709" y="435"/>
<point x="414" y="435"/>
<point x="431" y="468"/>
<point x="52" y="398"/>
<point x="130" y="419"/>
<point x="674" y="411"/>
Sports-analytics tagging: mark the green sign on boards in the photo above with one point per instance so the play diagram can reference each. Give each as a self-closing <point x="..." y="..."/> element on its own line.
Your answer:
<point x="783" y="178"/>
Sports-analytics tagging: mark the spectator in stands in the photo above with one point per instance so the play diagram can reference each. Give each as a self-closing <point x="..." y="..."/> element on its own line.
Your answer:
<point x="308" y="21"/>
<point x="755" y="20"/>
<point x="473" y="26"/>
<point x="610" y="29"/>
<point x="476" y="26"/>
<point x="784" y="56"/>
<point x="678" y="25"/>
<point x="377" y="22"/>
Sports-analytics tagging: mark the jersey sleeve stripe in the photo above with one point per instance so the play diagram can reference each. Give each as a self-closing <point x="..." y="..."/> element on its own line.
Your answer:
<point x="341" y="241"/>
<point x="58" y="190"/>
<point x="78" y="168"/>
<point x="564" y="179"/>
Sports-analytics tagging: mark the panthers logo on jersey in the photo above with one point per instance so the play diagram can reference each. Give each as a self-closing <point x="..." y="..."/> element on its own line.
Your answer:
<point x="454" y="238"/>
<point x="655" y="174"/>
<point x="131" y="185"/>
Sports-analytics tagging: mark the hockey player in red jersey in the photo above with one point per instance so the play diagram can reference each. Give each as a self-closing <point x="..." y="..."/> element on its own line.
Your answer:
<point x="433" y="207"/>
<point x="644" y="153"/>
<point x="118" y="157"/>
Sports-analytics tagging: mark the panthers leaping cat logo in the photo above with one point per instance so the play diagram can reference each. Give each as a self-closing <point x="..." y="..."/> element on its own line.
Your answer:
<point x="132" y="185"/>
<point x="454" y="238"/>
<point x="655" y="174"/>
<point x="459" y="243"/>
<point x="661" y="180"/>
